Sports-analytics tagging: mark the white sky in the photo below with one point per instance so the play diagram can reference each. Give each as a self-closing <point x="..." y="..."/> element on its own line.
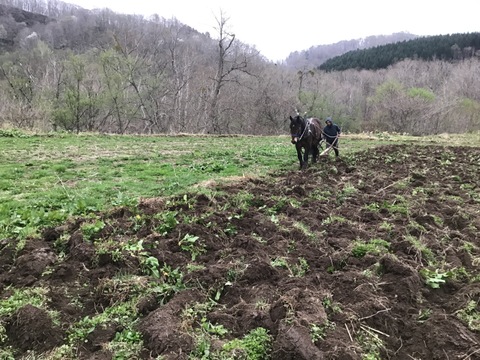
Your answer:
<point x="277" y="28"/>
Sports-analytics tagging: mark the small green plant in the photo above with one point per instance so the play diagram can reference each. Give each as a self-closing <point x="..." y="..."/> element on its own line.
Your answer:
<point x="280" y="262"/>
<point x="208" y="327"/>
<point x="172" y="283"/>
<point x="371" y="344"/>
<point x="373" y="207"/>
<point x="386" y="226"/>
<point x="331" y="306"/>
<point x="319" y="332"/>
<point x="89" y="230"/>
<point x="332" y="219"/>
<point x="304" y="229"/>
<point x="300" y="269"/>
<point x="347" y="191"/>
<point x="126" y="345"/>
<point x="256" y="345"/>
<point x="423" y="249"/>
<point x="194" y="267"/>
<point x="150" y="266"/>
<point x="470" y="315"/>
<point x="190" y="243"/>
<point x="435" y="278"/>
<point x="373" y="246"/>
<point x="168" y="222"/>
<point x="424" y="315"/>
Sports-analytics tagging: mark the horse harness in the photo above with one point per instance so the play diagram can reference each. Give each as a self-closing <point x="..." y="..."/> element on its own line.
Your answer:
<point x="308" y="122"/>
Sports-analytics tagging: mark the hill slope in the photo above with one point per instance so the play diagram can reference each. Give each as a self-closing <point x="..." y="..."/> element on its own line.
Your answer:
<point x="317" y="55"/>
<point x="444" y="47"/>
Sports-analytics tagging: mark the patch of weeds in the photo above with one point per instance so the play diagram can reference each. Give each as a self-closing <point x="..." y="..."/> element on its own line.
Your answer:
<point x="423" y="249"/>
<point x="337" y="266"/>
<point x="321" y="195"/>
<point x="397" y="206"/>
<point x="256" y="345"/>
<point x="191" y="244"/>
<point x="435" y="278"/>
<point x="373" y="246"/>
<point x="124" y="200"/>
<point x="294" y="203"/>
<point x="386" y="226"/>
<point x="414" y="228"/>
<point x="280" y="203"/>
<point x="438" y="220"/>
<point x="202" y="350"/>
<point x="230" y="229"/>
<point x="319" y="332"/>
<point x="138" y="222"/>
<point x="21" y="297"/>
<point x="460" y="274"/>
<point x="299" y="269"/>
<point x="347" y="192"/>
<point x="194" y="267"/>
<point x="126" y="345"/>
<point x="469" y="247"/>
<point x="334" y="218"/>
<point x="330" y="306"/>
<point x="371" y="345"/>
<point x="60" y="244"/>
<point x="274" y="219"/>
<point x="123" y="287"/>
<point x="373" y="207"/>
<point x="280" y="262"/>
<point x="172" y="283"/>
<point x="90" y="230"/>
<point x="6" y="352"/>
<point x="124" y="314"/>
<point x="168" y="222"/>
<point x="212" y="329"/>
<point x="304" y="229"/>
<point x="242" y="201"/>
<point x="150" y="266"/>
<point x="296" y="270"/>
<point x="109" y="247"/>
<point x="470" y="314"/>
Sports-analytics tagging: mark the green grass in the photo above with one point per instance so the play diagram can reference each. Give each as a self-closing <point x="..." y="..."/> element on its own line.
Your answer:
<point x="47" y="178"/>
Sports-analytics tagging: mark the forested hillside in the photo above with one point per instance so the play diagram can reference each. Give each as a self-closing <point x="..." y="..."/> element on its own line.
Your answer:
<point x="317" y="55"/>
<point x="64" y="68"/>
<point x="443" y="47"/>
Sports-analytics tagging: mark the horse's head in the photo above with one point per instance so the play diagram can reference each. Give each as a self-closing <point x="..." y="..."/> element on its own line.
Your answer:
<point x="297" y="126"/>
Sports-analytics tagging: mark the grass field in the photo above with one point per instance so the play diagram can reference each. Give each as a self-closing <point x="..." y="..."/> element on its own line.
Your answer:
<point x="46" y="178"/>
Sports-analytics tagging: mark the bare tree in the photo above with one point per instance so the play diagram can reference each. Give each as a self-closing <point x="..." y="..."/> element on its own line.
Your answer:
<point x="229" y="61"/>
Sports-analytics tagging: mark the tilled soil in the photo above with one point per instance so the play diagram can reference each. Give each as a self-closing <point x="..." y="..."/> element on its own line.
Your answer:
<point x="375" y="256"/>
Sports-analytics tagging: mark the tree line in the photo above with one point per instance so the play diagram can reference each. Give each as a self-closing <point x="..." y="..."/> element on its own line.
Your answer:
<point x="111" y="73"/>
<point x="444" y="47"/>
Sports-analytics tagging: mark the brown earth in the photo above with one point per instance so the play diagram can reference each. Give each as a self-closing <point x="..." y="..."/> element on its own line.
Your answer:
<point x="424" y="202"/>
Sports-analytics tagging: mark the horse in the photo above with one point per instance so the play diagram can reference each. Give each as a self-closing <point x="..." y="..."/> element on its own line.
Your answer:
<point x="306" y="134"/>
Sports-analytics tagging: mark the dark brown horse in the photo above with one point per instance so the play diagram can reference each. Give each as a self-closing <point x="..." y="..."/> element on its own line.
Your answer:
<point x="306" y="136"/>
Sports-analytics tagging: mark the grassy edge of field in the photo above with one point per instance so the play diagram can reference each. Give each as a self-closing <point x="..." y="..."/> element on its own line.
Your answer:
<point x="48" y="178"/>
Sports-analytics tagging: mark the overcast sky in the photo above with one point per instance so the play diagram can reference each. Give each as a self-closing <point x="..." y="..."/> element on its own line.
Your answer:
<point x="277" y="28"/>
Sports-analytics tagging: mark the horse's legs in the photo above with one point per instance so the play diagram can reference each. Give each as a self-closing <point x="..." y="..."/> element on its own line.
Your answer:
<point x="305" y="158"/>
<point x="300" y="157"/>
<point x="315" y="154"/>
